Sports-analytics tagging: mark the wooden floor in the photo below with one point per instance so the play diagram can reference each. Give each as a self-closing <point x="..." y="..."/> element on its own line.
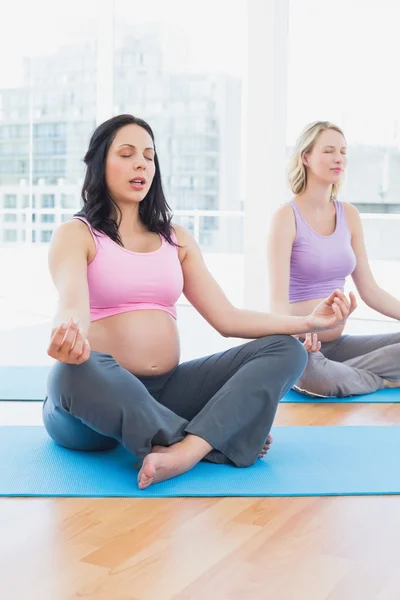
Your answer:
<point x="208" y="548"/>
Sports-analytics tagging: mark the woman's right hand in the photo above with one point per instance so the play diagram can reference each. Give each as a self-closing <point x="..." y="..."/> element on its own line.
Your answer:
<point x="332" y="312"/>
<point x="68" y="344"/>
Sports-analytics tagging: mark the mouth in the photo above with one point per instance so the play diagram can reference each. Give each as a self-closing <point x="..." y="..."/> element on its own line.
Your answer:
<point x="337" y="170"/>
<point x="138" y="183"/>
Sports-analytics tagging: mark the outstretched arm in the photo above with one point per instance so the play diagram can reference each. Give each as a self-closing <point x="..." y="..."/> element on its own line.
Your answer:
<point x="207" y="297"/>
<point x="68" y="258"/>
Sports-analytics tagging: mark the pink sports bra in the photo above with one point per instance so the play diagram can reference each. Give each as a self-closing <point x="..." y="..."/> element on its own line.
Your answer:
<point x="121" y="280"/>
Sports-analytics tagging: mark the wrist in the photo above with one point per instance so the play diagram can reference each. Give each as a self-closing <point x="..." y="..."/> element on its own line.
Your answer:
<point x="309" y="327"/>
<point x="301" y="326"/>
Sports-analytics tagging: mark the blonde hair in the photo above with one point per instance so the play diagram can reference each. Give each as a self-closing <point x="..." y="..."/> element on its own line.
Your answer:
<point x="297" y="172"/>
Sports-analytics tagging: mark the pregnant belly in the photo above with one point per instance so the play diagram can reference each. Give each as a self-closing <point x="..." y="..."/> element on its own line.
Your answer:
<point x="145" y="342"/>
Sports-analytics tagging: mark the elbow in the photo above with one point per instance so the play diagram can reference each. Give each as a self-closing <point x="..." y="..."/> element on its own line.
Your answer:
<point x="224" y="324"/>
<point x="370" y="296"/>
<point x="224" y="334"/>
<point x="223" y="330"/>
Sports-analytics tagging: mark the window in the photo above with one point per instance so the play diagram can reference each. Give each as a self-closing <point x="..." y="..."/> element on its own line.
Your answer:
<point x="48" y="201"/>
<point x="69" y="201"/>
<point x="45" y="236"/>
<point x="48" y="218"/>
<point x="10" y="201"/>
<point x="10" y="218"/>
<point x="10" y="235"/>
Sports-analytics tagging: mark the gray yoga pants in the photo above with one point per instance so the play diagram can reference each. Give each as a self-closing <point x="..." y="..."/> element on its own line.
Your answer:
<point x="352" y="365"/>
<point x="229" y="399"/>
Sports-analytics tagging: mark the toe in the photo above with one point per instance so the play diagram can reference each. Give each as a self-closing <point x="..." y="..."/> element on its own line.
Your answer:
<point x="146" y="474"/>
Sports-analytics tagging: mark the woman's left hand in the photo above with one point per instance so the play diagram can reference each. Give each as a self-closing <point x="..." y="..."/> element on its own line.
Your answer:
<point x="311" y="343"/>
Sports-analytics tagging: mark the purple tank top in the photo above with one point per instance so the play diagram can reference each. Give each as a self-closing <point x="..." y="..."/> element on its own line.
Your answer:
<point x="319" y="263"/>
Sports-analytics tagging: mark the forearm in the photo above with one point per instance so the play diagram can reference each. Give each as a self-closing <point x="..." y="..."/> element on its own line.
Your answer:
<point x="250" y="324"/>
<point x="384" y="303"/>
<point x="65" y="312"/>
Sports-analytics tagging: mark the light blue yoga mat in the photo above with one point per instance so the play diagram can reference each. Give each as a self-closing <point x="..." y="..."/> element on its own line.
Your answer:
<point x="29" y="384"/>
<point x="23" y="382"/>
<point x="304" y="461"/>
<point x="380" y="397"/>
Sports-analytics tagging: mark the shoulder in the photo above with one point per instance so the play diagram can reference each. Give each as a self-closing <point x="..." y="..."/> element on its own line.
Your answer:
<point x="352" y="215"/>
<point x="183" y="236"/>
<point x="350" y="210"/>
<point x="283" y="220"/>
<point x="284" y="214"/>
<point x="187" y="243"/>
<point x="74" y="234"/>
<point x="72" y="228"/>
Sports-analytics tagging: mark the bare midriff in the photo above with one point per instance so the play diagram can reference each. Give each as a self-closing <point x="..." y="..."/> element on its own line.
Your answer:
<point x="145" y="342"/>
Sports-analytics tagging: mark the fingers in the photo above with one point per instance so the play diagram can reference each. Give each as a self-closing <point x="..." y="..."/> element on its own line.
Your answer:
<point x="69" y="340"/>
<point x="57" y="338"/>
<point x="85" y="353"/>
<point x="338" y="294"/>
<point x="316" y="344"/>
<point x="307" y="342"/>
<point x="353" y="302"/>
<point x="347" y="306"/>
<point x="311" y="343"/>
<point x="330" y="300"/>
<point x="338" y="314"/>
<point x="68" y="343"/>
<point x="77" y="347"/>
<point x="344" y="307"/>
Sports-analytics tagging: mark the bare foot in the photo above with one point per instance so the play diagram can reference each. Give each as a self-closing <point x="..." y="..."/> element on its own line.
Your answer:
<point x="159" y="466"/>
<point x="166" y="462"/>
<point x="266" y="446"/>
<point x="390" y="384"/>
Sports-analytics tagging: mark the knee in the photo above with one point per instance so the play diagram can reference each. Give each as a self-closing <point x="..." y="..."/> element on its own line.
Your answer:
<point x="295" y="349"/>
<point x="293" y="354"/>
<point x="394" y="350"/>
<point x="287" y="349"/>
<point x="67" y="380"/>
<point x="62" y="379"/>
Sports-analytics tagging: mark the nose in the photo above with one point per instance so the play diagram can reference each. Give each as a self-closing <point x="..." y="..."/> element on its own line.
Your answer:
<point x="339" y="158"/>
<point x="139" y="163"/>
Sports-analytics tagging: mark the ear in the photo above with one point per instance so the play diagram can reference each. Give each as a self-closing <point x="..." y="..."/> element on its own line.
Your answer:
<point x="304" y="159"/>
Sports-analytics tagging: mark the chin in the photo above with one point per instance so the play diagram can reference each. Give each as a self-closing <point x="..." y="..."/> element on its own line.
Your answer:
<point x="138" y="196"/>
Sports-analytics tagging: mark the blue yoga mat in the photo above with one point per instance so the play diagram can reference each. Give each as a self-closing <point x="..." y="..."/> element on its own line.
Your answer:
<point x="23" y="382"/>
<point x="304" y="461"/>
<point x="380" y="397"/>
